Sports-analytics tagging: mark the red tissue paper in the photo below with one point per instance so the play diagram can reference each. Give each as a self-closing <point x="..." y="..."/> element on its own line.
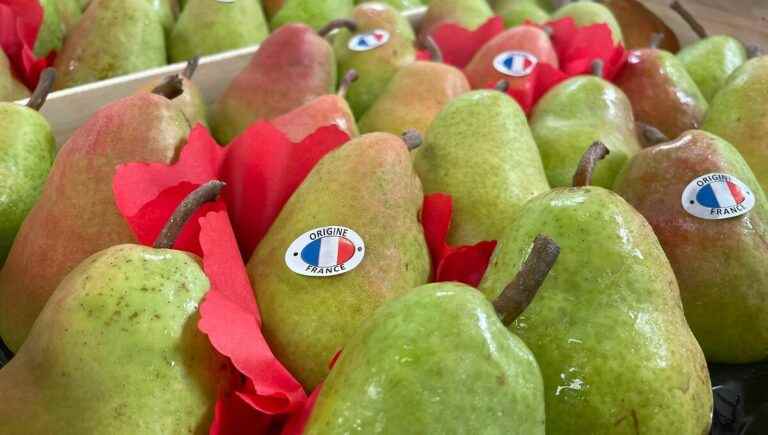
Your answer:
<point x="459" y="44"/>
<point x="577" y="47"/>
<point x="20" y="22"/>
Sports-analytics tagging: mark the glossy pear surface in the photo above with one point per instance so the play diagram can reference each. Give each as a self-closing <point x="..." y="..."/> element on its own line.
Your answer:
<point x="436" y="360"/>
<point x="711" y="61"/>
<point x="480" y="151"/>
<point x="721" y="265"/>
<point x="369" y="186"/>
<point x="607" y="326"/>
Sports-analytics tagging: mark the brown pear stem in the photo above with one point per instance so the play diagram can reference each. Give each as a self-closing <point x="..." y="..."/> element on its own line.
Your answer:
<point x="502" y="86"/>
<point x="688" y="17"/>
<point x="656" y="40"/>
<point x="596" y="152"/>
<point x="203" y="194"/>
<point x="516" y="296"/>
<point x="350" y="77"/>
<point x="44" y="86"/>
<point x="598" y="68"/>
<point x="435" y="54"/>
<point x="191" y="67"/>
<point x="753" y="51"/>
<point x="342" y="23"/>
<point x="651" y="135"/>
<point x="412" y="139"/>
<point x="170" y="88"/>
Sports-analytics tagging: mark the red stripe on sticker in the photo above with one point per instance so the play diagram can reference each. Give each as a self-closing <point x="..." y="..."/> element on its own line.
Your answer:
<point x="346" y="250"/>
<point x="738" y="196"/>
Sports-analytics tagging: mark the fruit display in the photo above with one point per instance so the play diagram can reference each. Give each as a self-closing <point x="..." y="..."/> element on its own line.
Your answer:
<point x="524" y="217"/>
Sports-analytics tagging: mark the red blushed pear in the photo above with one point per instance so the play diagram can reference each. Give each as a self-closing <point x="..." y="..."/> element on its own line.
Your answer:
<point x="511" y="56"/>
<point x="662" y="92"/>
<point x="322" y="111"/>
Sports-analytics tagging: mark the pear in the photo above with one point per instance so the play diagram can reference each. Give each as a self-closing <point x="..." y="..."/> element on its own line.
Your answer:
<point x="400" y="5"/>
<point x="711" y="59"/>
<point x="733" y="282"/>
<point x="739" y="114"/>
<point x="165" y="10"/>
<point x="10" y="88"/>
<point x="469" y="14"/>
<point x="117" y="350"/>
<point x="27" y="148"/>
<point x="320" y="112"/>
<point x="293" y="66"/>
<point x="480" y="151"/>
<point x="439" y="359"/>
<point x="69" y="13"/>
<point x="415" y="95"/>
<point x="639" y="24"/>
<point x="190" y="101"/>
<point x="367" y="185"/>
<point x="51" y="33"/>
<point x="376" y="64"/>
<point x="113" y="38"/>
<point x="76" y="215"/>
<point x="208" y="27"/>
<point x="517" y="12"/>
<point x="607" y="326"/>
<point x="575" y="113"/>
<point x="585" y="13"/>
<point x="312" y="13"/>
<point x="661" y="91"/>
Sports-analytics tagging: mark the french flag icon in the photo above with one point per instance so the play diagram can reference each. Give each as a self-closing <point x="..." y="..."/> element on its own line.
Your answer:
<point x="328" y="251"/>
<point x="720" y="194"/>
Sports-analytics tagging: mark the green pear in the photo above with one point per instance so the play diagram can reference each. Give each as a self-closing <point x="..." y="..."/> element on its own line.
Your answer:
<point x="51" y="32"/>
<point x="470" y="14"/>
<point x="113" y="38"/>
<point x="739" y="114"/>
<point x="576" y="113"/>
<point x="438" y="360"/>
<point x="607" y="326"/>
<point x="585" y="13"/>
<point x="69" y="13"/>
<point x="315" y="14"/>
<point x="10" y="88"/>
<point x="480" y="150"/>
<point x="367" y="185"/>
<point x="191" y="102"/>
<point x="27" y="149"/>
<point x="400" y="5"/>
<point x="76" y="215"/>
<point x="208" y="27"/>
<point x="165" y="10"/>
<point x="517" y="12"/>
<point x="378" y="65"/>
<point x="720" y="264"/>
<point x="116" y="349"/>
<point x="711" y="59"/>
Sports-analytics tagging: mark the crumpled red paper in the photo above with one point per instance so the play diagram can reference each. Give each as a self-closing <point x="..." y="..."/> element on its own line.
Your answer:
<point x="20" y="22"/>
<point x="577" y="47"/>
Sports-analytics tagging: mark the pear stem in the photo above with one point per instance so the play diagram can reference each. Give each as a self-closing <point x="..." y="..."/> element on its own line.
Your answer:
<point x="170" y="88"/>
<point x="342" y="23"/>
<point x="598" y="68"/>
<point x="502" y="86"/>
<point x="688" y="17"/>
<point x="412" y="139"/>
<point x="203" y="194"/>
<point x="753" y="51"/>
<point x="596" y="152"/>
<point x="191" y="67"/>
<point x="350" y="77"/>
<point x="44" y="86"/>
<point x="5" y="352"/>
<point x="435" y="54"/>
<point x="656" y="40"/>
<point x="516" y="296"/>
<point x="651" y="135"/>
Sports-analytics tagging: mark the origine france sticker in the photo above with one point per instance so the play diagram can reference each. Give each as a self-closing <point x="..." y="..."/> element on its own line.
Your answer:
<point x="369" y="40"/>
<point x="515" y="63"/>
<point x="717" y="196"/>
<point x="325" y="251"/>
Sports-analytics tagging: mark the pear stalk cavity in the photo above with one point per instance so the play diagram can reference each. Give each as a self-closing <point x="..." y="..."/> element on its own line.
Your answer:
<point x="342" y="23"/>
<point x="203" y="194"/>
<point x="170" y="88"/>
<point x="596" y="152"/>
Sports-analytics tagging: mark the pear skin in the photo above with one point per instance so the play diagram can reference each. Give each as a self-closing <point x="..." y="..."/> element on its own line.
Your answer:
<point x="480" y="151"/>
<point x="113" y="38"/>
<point x="76" y="215"/>
<point x="711" y="61"/>
<point x="434" y="361"/>
<point x="638" y="25"/>
<point x="739" y="114"/>
<point x="320" y="112"/>
<point x="369" y="186"/>
<point x="69" y="13"/>
<point x="51" y="33"/>
<point x="585" y="13"/>
<point x="116" y="350"/>
<point x="292" y="67"/>
<point x="10" y="88"/>
<point x="721" y="265"/>
<point x="191" y="101"/>
<point x="469" y="14"/>
<point x="607" y="326"/>
<point x="517" y="12"/>
<point x="315" y="14"/>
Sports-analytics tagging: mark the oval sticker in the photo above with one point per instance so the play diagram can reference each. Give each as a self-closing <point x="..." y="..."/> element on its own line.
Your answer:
<point x="368" y="41"/>
<point x="325" y="251"/>
<point x="515" y="63"/>
<point x="717" y="196"/>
